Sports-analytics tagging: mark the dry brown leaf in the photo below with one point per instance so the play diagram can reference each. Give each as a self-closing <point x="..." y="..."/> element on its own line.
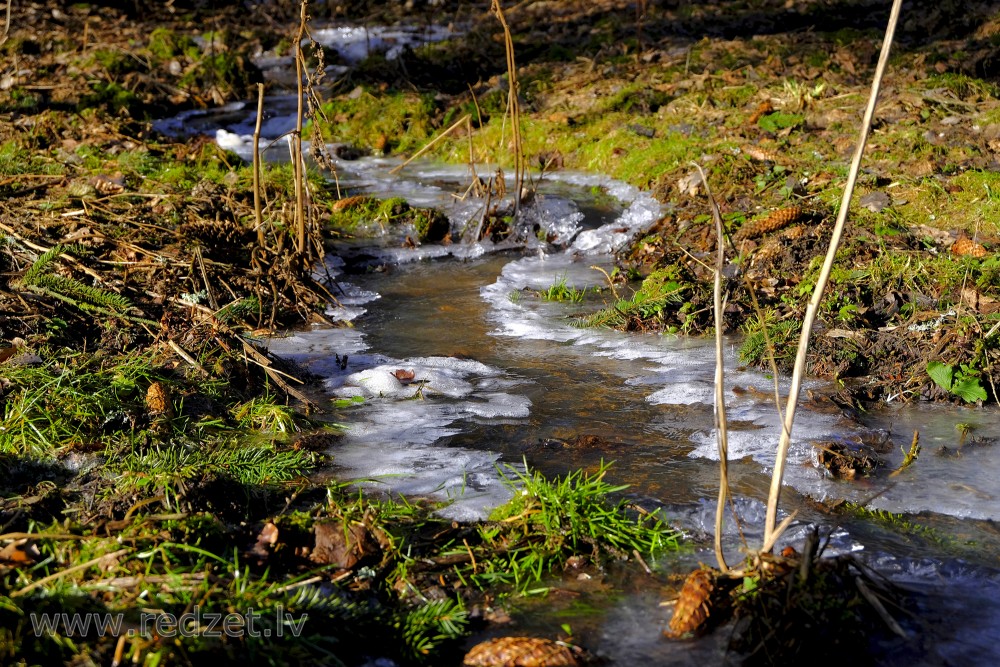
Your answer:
<point x="689" y="185"/>
<point x="266" y="540"/>
<point x="343" y="546"/>
<point x="20" y="553"/>
<point x="349" y="202"/>
<point x="404" y="376"/>
<point x="762" y="109"/>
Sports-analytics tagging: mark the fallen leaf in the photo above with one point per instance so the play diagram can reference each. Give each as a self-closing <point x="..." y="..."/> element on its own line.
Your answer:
<point x="343" y="546"/>
<point x="266" y="540"/>
<point x="404" y="376"/>
<point x="688" y="185"/>
<point x="875" y="201"/>
<point x="20" y="553"/>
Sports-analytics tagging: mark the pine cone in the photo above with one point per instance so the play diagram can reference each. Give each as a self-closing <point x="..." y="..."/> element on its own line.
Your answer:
<point x="770" y="249"/>
<point x="523" y="652"/>
<point x="158" y="401"/>
<point x="965" y="246"/>
<point x="778" y="219"/>
<point x="694" y="605"/>
<point x="761" y="154"/>
<point x="221" y="234"/>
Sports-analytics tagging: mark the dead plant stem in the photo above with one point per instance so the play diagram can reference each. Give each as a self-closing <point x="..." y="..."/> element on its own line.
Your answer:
<point x="810" y="316"/>
<point x="430" y="144"/>
<point x="106" y="558"/>
<point x="300" y="209"/>
<point x="257" y="207"/>
<point x="513" y="107"/>
<point x="721" y="432"/>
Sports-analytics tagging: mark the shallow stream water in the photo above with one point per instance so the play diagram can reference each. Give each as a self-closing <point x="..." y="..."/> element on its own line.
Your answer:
<point x="508" y="378"/>
<point x="502" y="377"/>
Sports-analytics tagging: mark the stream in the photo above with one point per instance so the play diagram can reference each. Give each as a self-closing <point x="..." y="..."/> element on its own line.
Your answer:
<point x="502" y="377"/>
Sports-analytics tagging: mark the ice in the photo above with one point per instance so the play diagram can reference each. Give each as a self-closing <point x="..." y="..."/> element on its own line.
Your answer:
<point x="396" y="438"/>
<point x="683" y="395"/>
<point x="501" y="405"/>
<point x="355" y="43"/>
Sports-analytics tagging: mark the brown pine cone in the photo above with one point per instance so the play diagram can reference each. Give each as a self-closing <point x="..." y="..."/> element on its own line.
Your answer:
<point x="776" y="220"/>
<point x="694" y="605"/>
<point x="965" y="246"/>
<point x="523" y="652"/>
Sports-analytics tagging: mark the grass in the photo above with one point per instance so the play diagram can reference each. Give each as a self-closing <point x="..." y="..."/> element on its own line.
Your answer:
<point x="561" y="292"/>
<point x="662" y="292"/>
<point x="199" y="563"/>
<point x="548" y="521"/>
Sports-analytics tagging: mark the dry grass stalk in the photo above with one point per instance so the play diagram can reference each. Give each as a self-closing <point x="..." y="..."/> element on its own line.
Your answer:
<point x="824" y="276"/>
<point x="513" y="107"/>
<point x="6" y="24"/>
<point x="464" y="120"/>
<point x="257" y="207"/>
<point x="722" y="434"/>
<point x="297" y="166"/>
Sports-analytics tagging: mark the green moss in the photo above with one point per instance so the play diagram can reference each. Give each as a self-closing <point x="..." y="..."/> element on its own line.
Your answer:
<point x="116" y="62"/>
<point x="964" y="87"/>
<point x="779" y="120"/>
<point x="432" y="226"/>
<point x="227" y="71"/>
<point x="112" y="96"/>
<point x="165" y="44"/>
<point x="363" y="215"/>
<point x="766" y="327"/>
<point x="384" y="123"/>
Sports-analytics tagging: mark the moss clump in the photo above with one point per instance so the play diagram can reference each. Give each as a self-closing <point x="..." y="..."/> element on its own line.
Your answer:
<point x="369" y="215"/>
<point x="383" y="122"/>
<point x="432" y="226"/>
<point x="660" y="301"/>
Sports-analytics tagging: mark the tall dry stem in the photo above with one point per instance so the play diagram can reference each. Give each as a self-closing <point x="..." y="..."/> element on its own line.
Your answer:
<point x="297" y="163"/>
<point x="257" y="207"/>
<point x="513" y="107"/>
<point x="721" y="429"/>
<point x="810" y="317"/>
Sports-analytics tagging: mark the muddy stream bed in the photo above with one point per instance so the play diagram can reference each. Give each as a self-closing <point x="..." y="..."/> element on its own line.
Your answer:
<point x="501" y="377"/>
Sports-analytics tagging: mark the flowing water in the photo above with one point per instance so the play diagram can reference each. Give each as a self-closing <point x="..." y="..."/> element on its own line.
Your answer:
<point x="502" y="377"/>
